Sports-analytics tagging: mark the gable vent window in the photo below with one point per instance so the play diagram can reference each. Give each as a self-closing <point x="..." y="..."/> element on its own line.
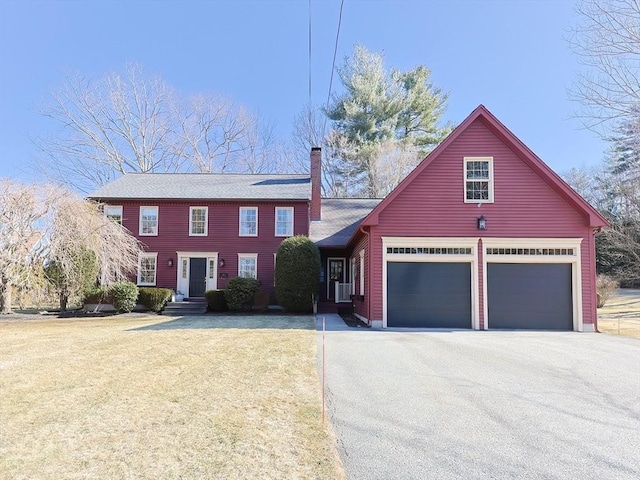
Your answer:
<point x="478" y="179"/>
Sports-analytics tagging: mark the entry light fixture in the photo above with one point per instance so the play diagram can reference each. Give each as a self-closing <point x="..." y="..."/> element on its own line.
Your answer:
<point x="170" y="262"/>
<point x="221" y="263"/>
<point x="482" y="223"/>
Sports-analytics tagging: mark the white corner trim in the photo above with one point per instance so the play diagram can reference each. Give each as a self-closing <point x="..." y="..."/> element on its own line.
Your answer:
<point x="361" y="318"/>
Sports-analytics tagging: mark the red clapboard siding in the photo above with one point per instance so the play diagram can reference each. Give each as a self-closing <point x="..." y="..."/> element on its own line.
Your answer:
<point x="361" y="306"/>
<point x="524" y="205"/>
<point x="223" y="235"/>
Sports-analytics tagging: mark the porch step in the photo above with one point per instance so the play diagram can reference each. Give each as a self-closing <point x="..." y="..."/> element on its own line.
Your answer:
<point x="188" y="307"/>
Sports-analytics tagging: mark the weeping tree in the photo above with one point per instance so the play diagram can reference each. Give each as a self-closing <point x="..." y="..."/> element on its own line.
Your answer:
<point x="49" y="232"/>
<point x="85" y="247"/>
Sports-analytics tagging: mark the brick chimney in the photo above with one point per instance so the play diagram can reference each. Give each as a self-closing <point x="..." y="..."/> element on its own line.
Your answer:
<point x="316" y="183"/>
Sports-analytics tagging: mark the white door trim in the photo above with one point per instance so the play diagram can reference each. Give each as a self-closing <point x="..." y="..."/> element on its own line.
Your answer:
<point x="344" y="272"/>
<point x="537" y="243"/>
<point x="182" y="274"/>
<point x="440" y="243"/>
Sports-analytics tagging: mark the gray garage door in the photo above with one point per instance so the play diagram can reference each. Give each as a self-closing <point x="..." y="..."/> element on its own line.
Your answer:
<point x="530" y="296"/>
<point x="429" y="295"/>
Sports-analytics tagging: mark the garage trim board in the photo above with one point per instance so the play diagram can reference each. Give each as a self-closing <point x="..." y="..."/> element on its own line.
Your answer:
<point x="536" y="251"/>
<point x="432" y="250"/>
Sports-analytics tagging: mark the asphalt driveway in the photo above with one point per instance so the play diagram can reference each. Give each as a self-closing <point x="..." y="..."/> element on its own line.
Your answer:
<point x="475" y="405"/>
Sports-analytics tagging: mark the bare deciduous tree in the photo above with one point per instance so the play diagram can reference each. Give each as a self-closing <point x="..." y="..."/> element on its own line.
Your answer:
<point x="22" y="213"/>
<point x="607" y="41"/>
<point x="134" y="122"/>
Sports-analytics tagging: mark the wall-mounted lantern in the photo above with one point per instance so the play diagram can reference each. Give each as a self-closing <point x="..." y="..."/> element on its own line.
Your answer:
<point x="221" y="262"/>
<point x="170" y="262"/>
<point x="482" y="223"/>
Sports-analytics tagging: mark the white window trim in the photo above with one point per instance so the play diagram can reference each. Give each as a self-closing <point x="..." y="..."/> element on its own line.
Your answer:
<point x="155" y="270"/>
<point x="240" y="222"/>
<point x="254" y="256"/>
<point x="206" y="221"/>
<point x="157" y="221"/>
<point x="290" y="209"/>
<point x="466" y="242"/>
<point x="117" y="207"/>
<point x="353" y="275"/>
<point x="575" y="261"/>
<point x="465" y="179"/>
<point x="362" y="272"/>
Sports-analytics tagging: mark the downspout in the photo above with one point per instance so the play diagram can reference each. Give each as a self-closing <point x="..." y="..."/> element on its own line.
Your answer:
<point x="368" y="263"/>
<point x="593" y="275"/>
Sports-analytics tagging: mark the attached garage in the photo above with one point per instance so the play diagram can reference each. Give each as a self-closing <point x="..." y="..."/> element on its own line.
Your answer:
<point x="530" y="296"/>
<point x="429" y="295"/>
<point x="430" y="282"/>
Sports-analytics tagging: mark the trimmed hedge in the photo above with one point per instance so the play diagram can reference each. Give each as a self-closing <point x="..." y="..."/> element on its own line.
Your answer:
<point x="297" y="273"/>
<point x="216" y="301"/>
<point x="125" y="295"/>
<point x="153" y="298"/>
<point x="240" y="293"/>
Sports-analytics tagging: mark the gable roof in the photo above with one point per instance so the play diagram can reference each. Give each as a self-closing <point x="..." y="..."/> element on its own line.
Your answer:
<point x="340" y="220"/>
<point x="206" y="186"/>
<point x="524" y="153"/>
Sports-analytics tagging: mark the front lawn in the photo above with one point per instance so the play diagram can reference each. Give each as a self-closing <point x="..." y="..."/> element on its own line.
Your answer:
<point x="155" y="397"/>
<point x="621" y="314"/>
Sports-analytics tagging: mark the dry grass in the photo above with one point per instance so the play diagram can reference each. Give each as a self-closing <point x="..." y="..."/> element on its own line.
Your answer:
<point x="621" y="314"/>
<point x="218" y="397"/>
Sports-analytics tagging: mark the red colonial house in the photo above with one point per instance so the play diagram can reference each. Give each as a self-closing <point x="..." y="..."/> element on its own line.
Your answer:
<point x="481" y="235"/>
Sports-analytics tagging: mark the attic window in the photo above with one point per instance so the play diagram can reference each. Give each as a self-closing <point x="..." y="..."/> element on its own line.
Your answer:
<point x="478" y="179"/>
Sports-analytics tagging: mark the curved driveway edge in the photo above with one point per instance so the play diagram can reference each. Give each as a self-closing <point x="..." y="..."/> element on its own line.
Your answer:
<point x="466" y="404"/>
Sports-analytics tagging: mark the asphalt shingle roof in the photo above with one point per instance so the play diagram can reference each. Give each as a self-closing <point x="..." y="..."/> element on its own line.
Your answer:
<point x="340" y="219"/>
<point x="207" y="186"/>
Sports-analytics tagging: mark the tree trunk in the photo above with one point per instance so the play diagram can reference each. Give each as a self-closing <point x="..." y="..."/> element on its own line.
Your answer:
<point x="5" y="301"/>
<point x="64" y="298"/>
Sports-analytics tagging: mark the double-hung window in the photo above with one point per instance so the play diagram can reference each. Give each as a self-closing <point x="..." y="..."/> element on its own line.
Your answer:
<point x="149" y="221"/>
<point x="478" y="179"/>
<point x="284" y="221"/>
<point x="248" y="221"/>
<point x="147" y="267"/>
<point x="114" y="213"/>
<point x="248" y="265"/>
<point x="198" y="221"/>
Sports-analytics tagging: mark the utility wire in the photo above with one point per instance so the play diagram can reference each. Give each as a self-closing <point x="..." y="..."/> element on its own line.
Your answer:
<point x="333" y="66"/>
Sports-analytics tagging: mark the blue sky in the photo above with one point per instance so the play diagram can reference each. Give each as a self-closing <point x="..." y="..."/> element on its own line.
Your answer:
<point x="510" y="56"/>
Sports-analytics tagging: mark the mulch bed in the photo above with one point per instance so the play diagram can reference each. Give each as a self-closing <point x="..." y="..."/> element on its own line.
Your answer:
<point x="352" y="321"/>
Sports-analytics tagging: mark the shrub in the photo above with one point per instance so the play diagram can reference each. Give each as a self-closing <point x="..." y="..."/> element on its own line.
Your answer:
<point x="125" y="295"/>
<point x="216" y="301"/>
<point x="605" y="286"/>
<point x="96" y="295"/>
<point x="297" y="273"/>
<point x="240" y="293"/>
<point x="153" y="298"/>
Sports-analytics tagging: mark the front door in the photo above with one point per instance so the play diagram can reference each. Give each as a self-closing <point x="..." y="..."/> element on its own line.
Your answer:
<point x="335" y="269"/>
<point x="197" y="277"/>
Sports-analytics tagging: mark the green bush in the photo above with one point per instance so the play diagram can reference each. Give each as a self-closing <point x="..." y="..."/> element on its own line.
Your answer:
<point x="154" y="298"/>
<point x="240" y="293"/>
<point x="297" y="273"/>
<point x="125" y="295"/>
<point x="96" y="295"/>
<point x="216" y="301"/>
